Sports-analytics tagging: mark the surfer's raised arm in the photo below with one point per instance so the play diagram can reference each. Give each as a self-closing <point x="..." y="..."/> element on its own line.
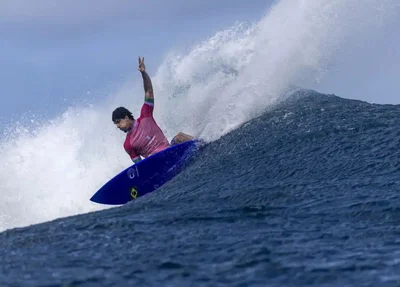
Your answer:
<point x="148" y="87"/>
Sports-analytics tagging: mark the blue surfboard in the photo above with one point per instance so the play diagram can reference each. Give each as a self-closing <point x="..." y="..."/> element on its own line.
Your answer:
<point x="147" y="175"/>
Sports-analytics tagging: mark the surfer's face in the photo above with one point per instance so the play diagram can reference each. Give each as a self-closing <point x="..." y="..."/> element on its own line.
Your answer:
<point x="124" y="124"/>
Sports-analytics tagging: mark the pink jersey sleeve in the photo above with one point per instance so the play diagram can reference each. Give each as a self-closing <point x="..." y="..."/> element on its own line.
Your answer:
<point x="133" y="155"/>
<point x="147" y="108"/>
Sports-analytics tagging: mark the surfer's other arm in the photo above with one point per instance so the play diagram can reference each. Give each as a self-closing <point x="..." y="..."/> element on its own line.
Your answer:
<point x="148" y="86"/>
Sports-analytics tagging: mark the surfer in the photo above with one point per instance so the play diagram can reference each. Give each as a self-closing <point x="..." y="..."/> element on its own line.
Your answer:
<point x="143" y="136"/>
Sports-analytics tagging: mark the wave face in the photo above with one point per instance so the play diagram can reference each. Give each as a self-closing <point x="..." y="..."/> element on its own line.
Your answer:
<point x="308" y="188"/>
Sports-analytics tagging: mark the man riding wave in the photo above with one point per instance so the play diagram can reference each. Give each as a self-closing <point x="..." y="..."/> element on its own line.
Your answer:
<point x="143" y="136"/>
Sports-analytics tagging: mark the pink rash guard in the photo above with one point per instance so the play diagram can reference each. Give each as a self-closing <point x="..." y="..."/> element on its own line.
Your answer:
<point x="145" y="138"/>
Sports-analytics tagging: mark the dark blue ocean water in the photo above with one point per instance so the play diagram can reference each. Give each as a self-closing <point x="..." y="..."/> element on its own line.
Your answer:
<point x="305" y="195"/>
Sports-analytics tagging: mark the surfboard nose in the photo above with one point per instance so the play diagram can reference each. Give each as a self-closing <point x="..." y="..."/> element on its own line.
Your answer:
<point x="102" y="196"/>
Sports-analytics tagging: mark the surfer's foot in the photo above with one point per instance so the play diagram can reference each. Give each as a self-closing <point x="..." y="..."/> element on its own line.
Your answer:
<point x="180" y="138"/>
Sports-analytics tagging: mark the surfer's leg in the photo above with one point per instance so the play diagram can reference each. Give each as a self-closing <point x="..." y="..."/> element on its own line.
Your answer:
<point x="180" y="138"/>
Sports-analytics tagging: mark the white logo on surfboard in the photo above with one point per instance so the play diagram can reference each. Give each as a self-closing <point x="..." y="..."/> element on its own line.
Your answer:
<point x="133" y="172"/>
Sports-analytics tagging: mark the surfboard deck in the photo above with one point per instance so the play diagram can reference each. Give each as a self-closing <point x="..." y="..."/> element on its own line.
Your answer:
<point x="147" y="175"/>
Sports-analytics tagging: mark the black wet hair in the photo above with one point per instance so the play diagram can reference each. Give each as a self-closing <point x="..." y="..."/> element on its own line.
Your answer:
<point x="120" y="113"/>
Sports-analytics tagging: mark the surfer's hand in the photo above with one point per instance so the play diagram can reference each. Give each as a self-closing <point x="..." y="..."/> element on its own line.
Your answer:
<point x="142" y="67"/>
